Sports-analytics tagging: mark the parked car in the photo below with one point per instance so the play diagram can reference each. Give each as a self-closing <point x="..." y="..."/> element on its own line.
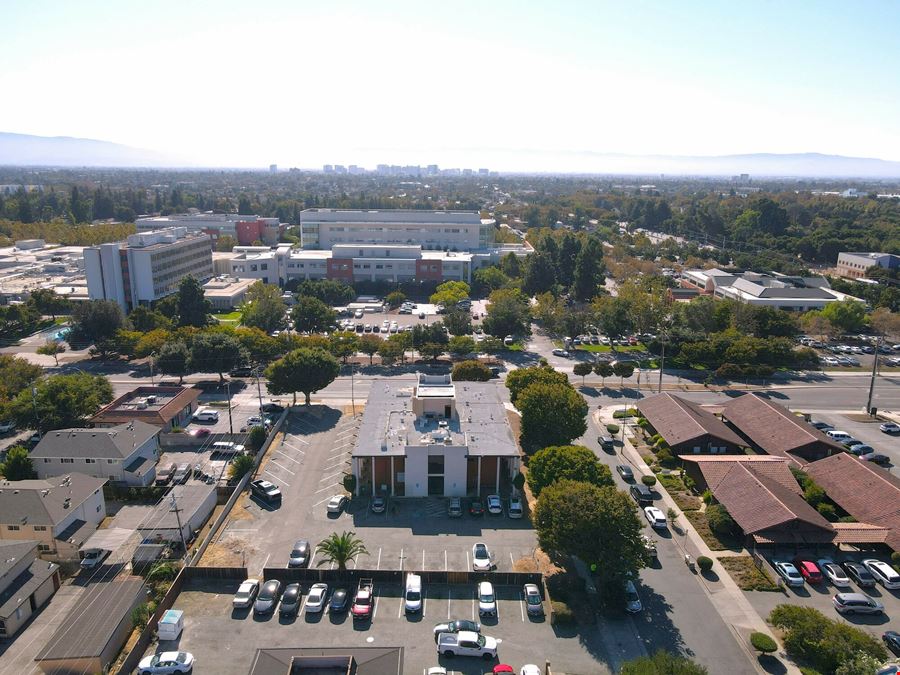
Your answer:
<point x="534" y="605"/>
<point x="290" y="600"/>
<point x="494" y="505"/>
<point x="481" y="558"/>
<point x="788" y="572"/>
<point x="316" y="598"/>
<point x="467" y="644"/>
<point x="166" y="663"/>
<point x="165" y="473"/>
<point x="837" y="434"/>
<point x="476" y="508"/>
<point x="891" y="640"/>
<point x="655" y="517"/>
<point x="889" y="428"/>
<point x="514" y="509"/>
<point x="821" y="426"/>
<point x="201" y="432"/>
<point x="6" y="427"/>
<point x="833" y="572"/>
<point x="876" y="458"/>
<point x="241" y="371"/>
<point x="268" y="597"/>
<point x="884" y="574"/>
<point x="457" y="626"/>
<point x="856" y="603"/>
<point x="859" y="574"/>
<point x="265" y="490"/>
<point x="861" y="449"/>
<point x="340" y="600"/>
<point x="808" y="570"/>
<point x="625" y="472"/>
<point x="454" y="507"/>
<point x="299" y="554"/>
<point x="641" y="494"/>
<point x="560" y="352"/>
<point x="487" y="601"/>
<point x="337" y="503"/>
<point x="182" y="473"/>
<point x="271" y="408"/>
<point x="378" y="504"/>
<point x="632" y="599"/>
<point x="246" y="594"/>
<point x="608" y="443"/>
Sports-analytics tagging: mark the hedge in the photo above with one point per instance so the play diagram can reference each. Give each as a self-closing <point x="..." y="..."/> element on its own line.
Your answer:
<point x="763" y="643"/>
<point x="649" y="481"/>
<point x="705" y="563"/>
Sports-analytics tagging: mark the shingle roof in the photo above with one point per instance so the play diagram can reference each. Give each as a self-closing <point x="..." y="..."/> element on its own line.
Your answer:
<point x="116" y="442"/>
<point x="364" y="660"/>
<point x="774" y="428"/>
<point x="680" y="421"/>
<point x="43" y="502"/>
<point x="92" y="623"/>
<point x="715" y="467"/>
<point x="868" y="493"/>
<point x="12" y="552"/>
<point x="18" y="590"/>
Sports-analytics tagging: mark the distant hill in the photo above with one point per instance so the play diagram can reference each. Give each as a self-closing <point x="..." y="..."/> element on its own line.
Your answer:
<point x="26" y="150"/>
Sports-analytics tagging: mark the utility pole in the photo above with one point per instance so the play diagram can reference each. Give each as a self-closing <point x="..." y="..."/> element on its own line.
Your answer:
<point x="178" y="519"/>
<point x="874" y="372"/>
<point x="152" y="354"/>
<point x="352" y="397"/>
<point x="259" y="391"/>
<point x="228" y="395"/>
<point x="662" y="360"/>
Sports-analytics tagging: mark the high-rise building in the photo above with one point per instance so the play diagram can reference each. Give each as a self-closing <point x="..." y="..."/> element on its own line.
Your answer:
<point x="273" y="168"/>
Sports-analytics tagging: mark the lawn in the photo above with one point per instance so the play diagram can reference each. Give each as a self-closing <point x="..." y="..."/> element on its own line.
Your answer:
<point x="228" y="317"/>
<point x="715" y="541"/>
<point x="607" y="348"/>
<point x="746" y="575"/>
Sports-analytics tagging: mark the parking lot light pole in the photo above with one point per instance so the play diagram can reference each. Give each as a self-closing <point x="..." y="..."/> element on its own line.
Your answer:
<point x="874" y="372"/>
<point x="228" y="395"/>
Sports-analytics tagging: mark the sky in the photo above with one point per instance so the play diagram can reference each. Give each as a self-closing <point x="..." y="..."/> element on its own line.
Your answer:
<point x="472" y="84"/>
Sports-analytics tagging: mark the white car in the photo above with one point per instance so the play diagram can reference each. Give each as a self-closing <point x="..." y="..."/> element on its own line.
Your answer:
<point x="889" y="428"/>
<point x="530" y="669"/>
<point x="487" y="601"/>
<point x="246" y="594"/>
<point x="833" y="572"/>
<point x="166" y="663"/>
<point x="837" y="435"/>
<point x="788" y="572"/>
<point x="494" y="505"/>
<point x="337" y="503"/>
<point x="315" y="601"/>
<point x="655" y="517"/>
<point x="561" y="352"/>
<point x="884" y="574"/>
<point x="481" y="558"/>
<point x="514" y="510"/>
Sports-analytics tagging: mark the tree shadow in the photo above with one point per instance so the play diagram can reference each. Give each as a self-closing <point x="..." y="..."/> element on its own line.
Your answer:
<point x="770" y="664"/>
<point x="655" y="625"/>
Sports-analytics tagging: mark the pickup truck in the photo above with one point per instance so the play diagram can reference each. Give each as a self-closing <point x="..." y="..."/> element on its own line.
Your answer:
<point x="364" y="600"/>
<point x="91" y="557"/>
<point x="467" y="643"/>
<point x="265" y="490"/>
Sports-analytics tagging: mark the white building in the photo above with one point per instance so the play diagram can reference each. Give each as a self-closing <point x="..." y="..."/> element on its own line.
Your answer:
<point x="245" y="229"/>
<point x="195" y="502"/>
<point x="32" y="264"/>
<point x="437" y="438"/>
<point x="857" y="265"/>
<point x="125" y="454"/>
<point x="147" y="267"/>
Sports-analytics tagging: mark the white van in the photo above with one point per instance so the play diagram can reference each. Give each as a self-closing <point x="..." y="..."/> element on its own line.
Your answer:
<point x="206" y="415"/>
<point x="413" y="595"/>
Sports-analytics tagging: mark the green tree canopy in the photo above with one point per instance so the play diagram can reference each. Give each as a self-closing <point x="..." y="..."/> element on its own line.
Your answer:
<point x="458" y="321"/>
<point x="145" y="319"/>
<point x="339" y="549"/>
<point x="845" y="315"/>
<point x="395" y="298"/>
<point x="369" y="345"/>
<point x="193" y="307"/>
<point x="343" y="344"/>
<point x="174" y="358"/>
<point x="259" y="346"/>
<point x="263" y="308"/>
<point x="471" y="371"/>
<point x="390" y="351"/>
<point x="571" y="462"/>
<point x="48" y="301"/>
<point x="333" y="293"/>
<point x="18" y="465"/>
<point x="216" y="352"/>
<point x="52" y="348"/>
<point x="489" y="279"/>
<point x="450" y="293"/>
<point x="240" y="466"/>
<point x="460" y="345"/>
<point x="507" y="313"/>
<point x="588" y="272"/>
<point x="604" y="370"/>
<point x="583" y="369"/>
<point x="662" y="663"/>
<point x="61" y="401"/>
<point x="540" y="274"/>
<point x="305" y="370"/>
<point x="95" y="321"/>
<point x="518" y="379"/>
<point x="552" y="414"/>
<point x="311" y="315"/>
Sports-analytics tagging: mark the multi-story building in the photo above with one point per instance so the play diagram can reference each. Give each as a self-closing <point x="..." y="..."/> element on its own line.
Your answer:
<point x="59" y="513"/>
<point x="26" y="584"/>
<point x="857" y="265"/>
<point x="165" y="407"/>
<point x="245" y="229"/>
<point x="147" y="267"/>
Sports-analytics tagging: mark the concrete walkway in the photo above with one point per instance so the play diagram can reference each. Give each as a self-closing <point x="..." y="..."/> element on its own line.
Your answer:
<point x="728" y="599"/>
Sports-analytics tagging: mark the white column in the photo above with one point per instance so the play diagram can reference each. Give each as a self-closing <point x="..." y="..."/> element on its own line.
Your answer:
<point x="392" y="476"/>
<point x="497" y="482"/>
<point x="478" y="481"/>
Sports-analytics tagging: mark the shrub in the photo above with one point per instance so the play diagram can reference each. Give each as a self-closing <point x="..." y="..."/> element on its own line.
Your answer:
<point x="662" y="662"/>
<point x="665" y="457"/>
<point x="256" y="438"/>
<point x="471" y="371"/>
<point x="613" y="429"/>
<point x="349" y="479"/>
<point x="654" y="439"/>
<point x="763" y="643"/>
<point x="827" y="511"/>
<point x="705" y="563"/>
<point x="621" y="414"/>
<point x="689" y="483"/>
<point x="895" y="558"/>
<point x="140" y="615"/>
<point x="649" y="481"/>
<point x="562" y="613"/>
<point x="707" y="497"/>
<point x="719" y="519"/>
<point x="242" y="465"/>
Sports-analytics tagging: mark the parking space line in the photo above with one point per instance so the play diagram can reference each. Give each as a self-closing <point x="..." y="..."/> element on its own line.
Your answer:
<point x="512" y="561"/>
<point x="449" y="598"/>
<point x="327" y="487"/>
<point x="278" y="478"/>
<point x="315" y="550"/>
<point x="326" y="498"/>
<point x="468" y="567"/>
<point x="288" y="445"/>
<point x="423" y="559"/>
<point x="473" y="609"/>
<point x="497" y="606"/>
<point x="341" y="460"/>
<point x="375" y="605"/>
<point x="290" y="459"/>
<point x="401" y="559"/>
<point x="424" y="604"/>
<point x="400" y="608"/>
<point x="332" y="475"/>
<point x="445" y="563"/>
<point x="298" y="439"/>
<point x="522" y="607"/>
<point x="267" y="561"/>
<point x="272" y="461"/>
<point x="378" y="564"/>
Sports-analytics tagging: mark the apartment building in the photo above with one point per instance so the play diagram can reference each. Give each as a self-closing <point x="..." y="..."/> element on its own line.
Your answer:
<point x="147" y="267"/>
<point x="857" y="265"/>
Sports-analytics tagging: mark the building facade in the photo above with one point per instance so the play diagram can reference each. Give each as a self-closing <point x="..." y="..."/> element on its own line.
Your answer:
<point x="147" y="267"/>
<point x="245" y="229"/>
<point x="857" y="265"/>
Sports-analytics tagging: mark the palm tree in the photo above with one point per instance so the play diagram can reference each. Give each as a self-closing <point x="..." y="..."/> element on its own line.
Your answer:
<point x="339" y="548"/>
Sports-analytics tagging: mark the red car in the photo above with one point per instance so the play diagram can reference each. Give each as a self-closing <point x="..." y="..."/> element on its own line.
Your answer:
<point x="808" y="570"/>
<point x="502" y="668"/>
<point x="198" y="433"/>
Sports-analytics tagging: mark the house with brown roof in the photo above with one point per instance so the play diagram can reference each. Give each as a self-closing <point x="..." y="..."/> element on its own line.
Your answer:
<point x="688" y="427"/>
<point x="868" y="493"/>
<point x="165" y="407"/>
<point x="775" y="430"/>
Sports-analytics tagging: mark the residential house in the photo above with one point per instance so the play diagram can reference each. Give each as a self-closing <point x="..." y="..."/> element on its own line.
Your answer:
<point x="195" y="503"/>
<point x="688" y="427"/>
<point x="26" y="584"/>
<point x="164" y="407"/>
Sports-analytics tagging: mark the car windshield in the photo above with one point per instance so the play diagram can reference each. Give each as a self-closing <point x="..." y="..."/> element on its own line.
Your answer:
<point x="181" y="658"/>
<point x="267" y="593"/>
<point x="481" y="641"/>
<point x="533" y="599"/>
<point x="480" y="552"/>
<point x="487" y="597"/>
<point x="413" y="596"/>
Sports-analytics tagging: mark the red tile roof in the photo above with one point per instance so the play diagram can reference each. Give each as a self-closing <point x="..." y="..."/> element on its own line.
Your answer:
<point x="680" y="421"/>
<point x="715" y="467"/>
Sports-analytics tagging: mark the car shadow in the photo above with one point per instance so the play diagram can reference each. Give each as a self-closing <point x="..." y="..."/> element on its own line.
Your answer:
<point x="240" y="612"/>
<point x="286" y="619"/>
<point x="337" y="618"/>
<point x="867" y="619"/>
<point x="313" y="617"/>
<point x="262" y="618"/>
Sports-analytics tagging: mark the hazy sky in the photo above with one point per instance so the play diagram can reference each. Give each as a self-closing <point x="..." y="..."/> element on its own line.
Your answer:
<point x="453" y="82"/>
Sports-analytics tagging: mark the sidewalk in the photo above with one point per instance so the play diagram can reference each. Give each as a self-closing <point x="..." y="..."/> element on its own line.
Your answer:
<point x="725" y="595"/>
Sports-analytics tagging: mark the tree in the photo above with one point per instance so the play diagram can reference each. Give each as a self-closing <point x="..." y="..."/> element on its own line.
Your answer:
<point x="60" y="401"/>
<point x="460" y="345"/>
<point x="52" y="348"/>
<point x="18" y="465"/>
<point x="720" y="521"/>
<point x="331" y="292"/>
<point x="305" y="370"/>
<point x="390" y="350"/>
<point x="507" y="313"/>
<point x="763" y="643"/>
<point x="813" y="323"/>
<point x="623" y="369"/>
<point x="16" y="374"/>
<point x="403" y="341"/>
<point x="339" y="549"/>
<point x="256" y="437"/>
<point x="215" y="352"/>
<point x="552" y="414"/>
<point x="491" y="345"/>
<point x="225" y="243"/>
<point x="369" y="345"/>
<point x="885" y="322"/>
<point x="458" y="321"/>
<point x="566" y="462"/>
<point x="239" y="467"/>
<point x="344" y="344"/>
<point x="471" y="371"/>
<point x="263" y="308"/>
<point x="845" y="315"/>
<point x="174" y="358"/>
<point x="193" y="307"/>
<point x="431" y="350"/>
<point x="95" y="322"/>
<point x="311" y="315"/>
<point x="144" y="319"/>
<point x="395" y="298"/>
<point x="588" y="270"/>
<point x="604" y="370"/>
<point x="520" y="378"/>
<point x="613" y="315"/>
<point x="540" y="274"/>
<point x="488" y="279"/>
<point x="48" y="301"/>
<point x="450" y="293"/>
<point x="18" y="320"/>
<point x="599" y="525"/>
<point x="260" y="347"/>
<point x="511" y="266"/>
<point x="860" y="664"/>
<point x="582" y="369"/>
<point x="662" y="663"/>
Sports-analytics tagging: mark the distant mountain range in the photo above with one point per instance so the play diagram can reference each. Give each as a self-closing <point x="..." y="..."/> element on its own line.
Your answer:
<point x="65" y="151"/>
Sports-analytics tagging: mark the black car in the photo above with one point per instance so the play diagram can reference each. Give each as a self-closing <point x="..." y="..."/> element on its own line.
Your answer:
<point x="495" y="371"/>
<point x="608" y="443"/>
<point x="476" y="508"/>
<point x="876" y="458"/>
<point x="625" y="471"/>
<point x="859" y="574"/>
<point x="271" y="408"/>
<point x="290" y="600"/>
<point x="892" y="641"/>
<point x="641" y="494"/>
<point x="299" y="554"/>
<point x="378" y="504"/>
<point x="340" y="600"/>
<point x="241" y="371"/>
<point x="265" y="490"/>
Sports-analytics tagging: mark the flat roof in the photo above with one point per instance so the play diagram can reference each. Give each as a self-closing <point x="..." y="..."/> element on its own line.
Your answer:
<point x="190" y="499"/>
<point x="387" y="216"/>
<point x="134" y="405"/>
<point x="327" y="660"/>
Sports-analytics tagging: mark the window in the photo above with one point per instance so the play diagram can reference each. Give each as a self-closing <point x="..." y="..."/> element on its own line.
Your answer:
<point x="40" y="528"/>
<point x="66" y="460"/>
<point x="90" y="461"/>
<point x="110" y="461"/>
<point x="435" y="464"/>
<point x="98" y="508"/>
<point x="12" y="528"/>
<point x="46" y="460"/>
<point x="43" y="548"/>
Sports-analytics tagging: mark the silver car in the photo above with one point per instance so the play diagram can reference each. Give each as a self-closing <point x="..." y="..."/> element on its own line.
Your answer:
<point x="856" y="603"/>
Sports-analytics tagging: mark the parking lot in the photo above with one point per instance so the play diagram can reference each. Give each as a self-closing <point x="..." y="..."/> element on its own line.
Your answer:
<point x="866" y="430"/>
<point x="224" y="640"/>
